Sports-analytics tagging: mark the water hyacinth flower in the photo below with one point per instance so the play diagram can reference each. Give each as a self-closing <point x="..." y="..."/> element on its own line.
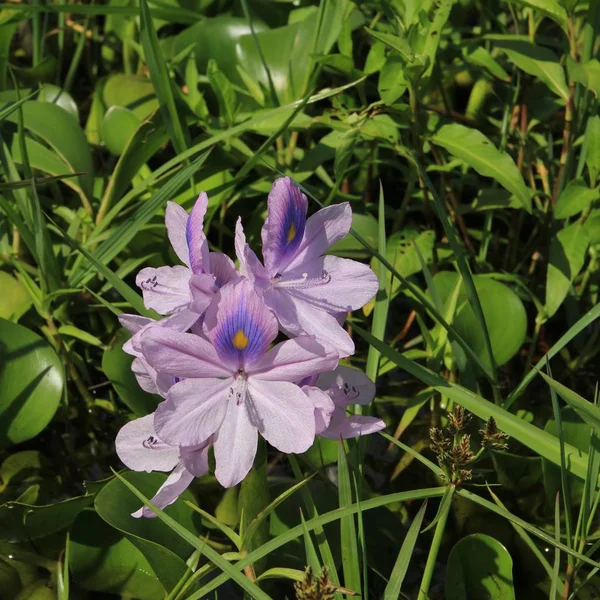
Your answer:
<point x="306" y="290"/>
<point x="141" y="449"/>
<point x="186" y="289"/>
<point x="234" y="387"/>
<point x="346" y="386"/>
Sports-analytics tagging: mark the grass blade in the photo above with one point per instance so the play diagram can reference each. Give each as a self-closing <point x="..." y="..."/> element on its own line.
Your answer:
<point x="556" y="569"/>
<point x="394" y="586"/>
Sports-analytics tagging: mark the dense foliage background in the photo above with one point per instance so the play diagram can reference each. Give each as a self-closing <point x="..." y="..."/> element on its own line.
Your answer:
<point x="465" y="135"/>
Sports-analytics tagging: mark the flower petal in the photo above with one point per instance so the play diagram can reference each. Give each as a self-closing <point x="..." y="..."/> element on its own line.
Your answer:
<point x="194" y="234"/>
<point x="203" y="290"/>
<point x="166" y="289"/>
<point x="182" y="354"/>
<point x="347" y="386"/>
<point x="196" y="459"/>
<point x="176" y="219"/>
<point x="324" y="407"/>
<point x="282" y="413"/>
<point x="235" y="445"/>
<point x="295" y="359"/>
<point x="323" y="229"/>
<point x="239" y="325"/>
<point x="284" y="226"/>
<point x="349" y="287"/>
<point x="223" y="268"/>
<point x="193" y="411"/>
<point x="140" y="449"/>
<point x="298" y="317"/>
<point x="250" y="266"/>
<point x="177" y="482"/>
<point x="345" y="427"/>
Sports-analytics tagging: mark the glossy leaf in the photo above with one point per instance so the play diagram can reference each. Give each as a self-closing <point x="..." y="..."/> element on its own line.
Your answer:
<point x="479" y="567"/>
<point x="132" y="92"/>
<point x="117" y="128"/>
<point x="31" y="383"/>
<point x="576" y="197"/>
<point x="592" y="156"/>
<point x="503" y="311"/>
<point x="14" y="300"/>
<point x="477" y="151"/>
<point x="567" y="255"/>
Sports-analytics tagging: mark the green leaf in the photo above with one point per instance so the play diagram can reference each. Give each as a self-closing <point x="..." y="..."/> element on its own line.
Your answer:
<point x="478" y="152"/>
<point x="117" y="128"/>
<point x="103" y="560"/>
<point x="567" y="255"/>
<point x="161" y="82"/>
<point x="576" y="197"/>
<point x="14" y="300"/>
<point x="392" y="83"/>
<point x="537" y="61"/>
<point x="22" y="522"/>
<point x="31" y="383"/>
<point x="350" y="561"/>
<point x="162" y="547"/>
<point x="395" y="42"/>
<point x="116" y="365"/>
<point x="550" y="8"/>
<point x="63" y="134"/>
<point x="592" y="157"/>
<point x="132" y="92"/>
<point x="479" y="566"/>
<point x="224" y="91"/>
<point x="394" y="586"/>
<point x="367" y="227"/>
<point x="503" y="311"/>
<point x="84" y="336"/>
<point x="480" y="56"/>
<point x="587" y="74"/>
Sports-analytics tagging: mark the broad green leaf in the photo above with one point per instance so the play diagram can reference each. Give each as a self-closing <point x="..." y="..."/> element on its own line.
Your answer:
<point x="10" y="582"/>
<point x="567" y="255"/>
<point x="394" y="586"/>
<point x="397" y="43"/>
<point x="576" y="197"/>
<point x="503" y="311"/>
<point x="427" y="45"/>
<point x="118" y="126"/>
<point x="14" y="299"/>
<point x="550" y="8"/>
<point x="343" y="154"/>
<point x="55" y="95"/>
<point x="592" y="157"/>
<point x="478" y="152"/>
<point x="133" y="92"/>
<point x="116" y="365"/>
<point x="479" y="566"/>
<point x="224" y="91"/>
<point x="103" y="560"/>
<point x="392" y="83"/>
<point x="21" y="522"/>
<point x="537" y="61"/>
<point x="31" y="383"/>
<point x="588" y="74"/>
<point x="480" y="56"/>
<point x="63" y="134"/>
<point x="80" y="334"/>
<point x="366" y="226"/>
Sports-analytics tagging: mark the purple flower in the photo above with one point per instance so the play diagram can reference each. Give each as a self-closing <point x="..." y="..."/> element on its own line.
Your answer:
<point x="346" y="386"/>
<point x="186" y="290"/>
<point x="306" y="290"/>
<point x="234" y="387"/>
<point x="141" y="449"/>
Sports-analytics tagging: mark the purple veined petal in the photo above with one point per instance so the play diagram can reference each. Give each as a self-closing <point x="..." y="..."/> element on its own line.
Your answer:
<point x="134" y="323"/>
<point x="235" y="445"/>
<point x="196" y="459"/>
<point x="298" y="317"/>
<point x="194" y="234"/>
<point x="182" y="354"/>
<point x="323" y="405"/>
<point x="284" y="226"/>
<point x="239" y="325"/>
<point x="342" y="426"/>
<point x="177" y="482"/>
<point x="293" y="360"/>
<point x="166" y="289"/>
<point x="250" y="267"/>
<point x="140" y="449"/>
<point x="223" y="268"/>
<point x="145" y="375"/>
<point x="203" y="290"/>
<point x="347" y="386"/>
<point x="282" y="413"/>
<point x="176" y="219"/>
<point x="346" y="285"/>
<point x="323" y="229"/>
<point x="193" y="411"/>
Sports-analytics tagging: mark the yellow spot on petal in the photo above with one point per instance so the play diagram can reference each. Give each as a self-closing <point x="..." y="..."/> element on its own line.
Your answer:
<point x="291" y="233"/>
<point x="240" y="341"/>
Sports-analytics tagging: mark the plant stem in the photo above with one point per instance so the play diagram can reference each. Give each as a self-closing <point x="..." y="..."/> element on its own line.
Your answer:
<point x="433" y="552"/>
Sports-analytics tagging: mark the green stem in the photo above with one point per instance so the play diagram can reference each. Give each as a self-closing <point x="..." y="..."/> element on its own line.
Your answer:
<point x="433" y="553"/>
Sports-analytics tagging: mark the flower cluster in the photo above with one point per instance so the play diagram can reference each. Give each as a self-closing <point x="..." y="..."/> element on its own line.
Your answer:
<point x="211" y="358"/>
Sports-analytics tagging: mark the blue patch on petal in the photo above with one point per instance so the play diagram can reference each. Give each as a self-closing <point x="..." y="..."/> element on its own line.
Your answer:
<point x="294" y="221"/>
